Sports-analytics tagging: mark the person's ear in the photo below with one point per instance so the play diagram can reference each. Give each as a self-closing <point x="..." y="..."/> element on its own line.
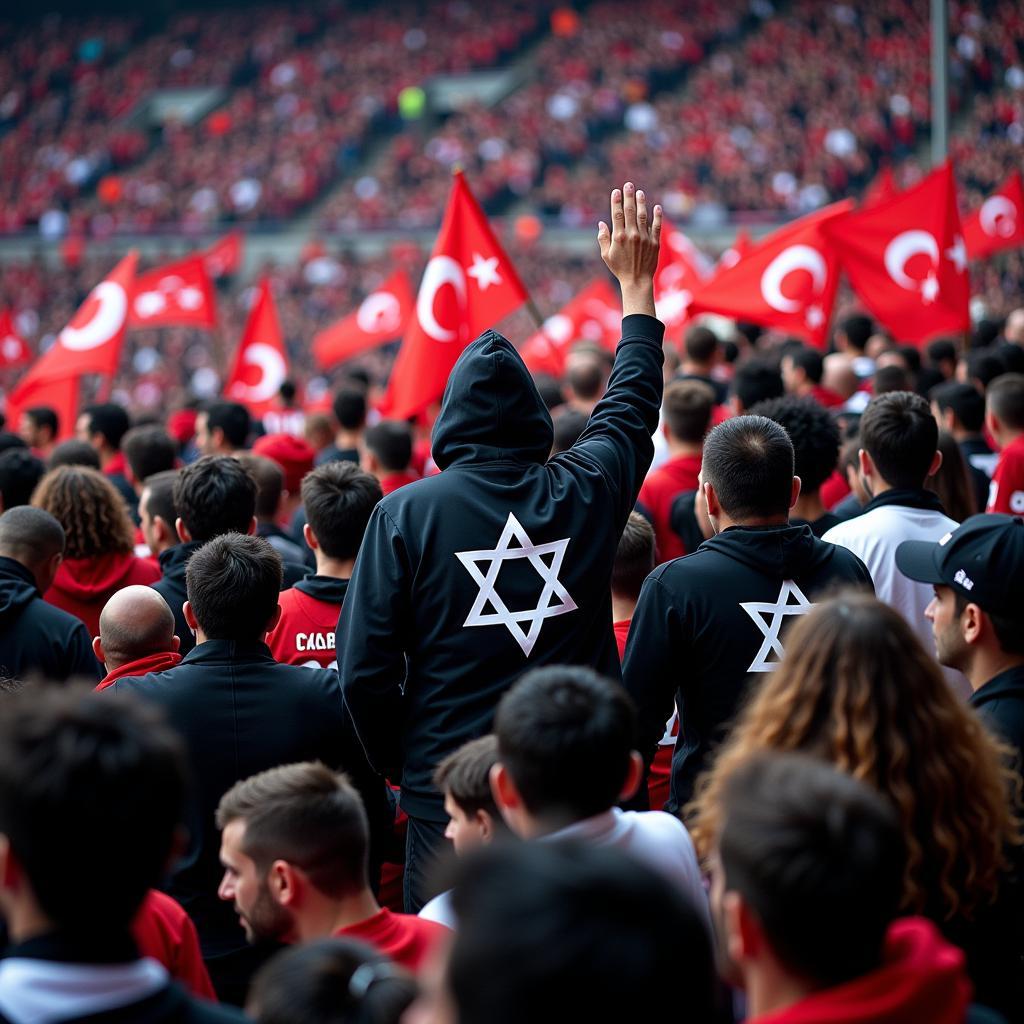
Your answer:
<point x="867" y="466"/>
<point x="10" y="869"/>
<point x="973" y="623"/>
<point x="634" y="776"/>
<point x="179" y="525"/>
<point x="746" y="938"/>
<point x="217" y="437"/>
<point x="665" y="432"/>
<point x="486" y="825"/>
<point x="284" y="883"/>
<point x="274" y="619"/>
<point x="97" y="649"/>
<point x="936" y="463"/>
<point x="735" y="405"/>
<point x="190" y="616"/>
<point x="310" y="537"/>
<point x="711" y="500"/>
<point x="948" y="420"/>
<point x="252" y="527"/>
<point x="794" y="497"/>
<point x="175" y="644"/>
<point x="504" y="790"/>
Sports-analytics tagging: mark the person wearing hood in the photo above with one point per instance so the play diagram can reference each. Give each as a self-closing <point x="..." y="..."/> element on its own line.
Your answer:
<point x="708" y="625"/>
<point x="503" y="561"/>
<point x="99" y="557"/>
<point x="36" y="637"/>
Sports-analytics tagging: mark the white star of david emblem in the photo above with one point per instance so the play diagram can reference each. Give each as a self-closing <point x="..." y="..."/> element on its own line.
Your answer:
<point x="757" y="610"/>
<point x="501" y="616"/>
<point x="814" y="317"/>
<point x="957" y="254"/>
<point x="484" y="272"/>
<point x="930" y="288"/>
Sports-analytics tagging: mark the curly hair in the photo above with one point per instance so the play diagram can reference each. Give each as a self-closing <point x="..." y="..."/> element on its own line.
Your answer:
<point x="813" y="432"/>
<point x="857" y="689"/>
<point x="88" y="506"/>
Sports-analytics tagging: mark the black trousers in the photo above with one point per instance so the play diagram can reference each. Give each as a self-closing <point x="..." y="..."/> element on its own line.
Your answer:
<point x="425" y="847"/>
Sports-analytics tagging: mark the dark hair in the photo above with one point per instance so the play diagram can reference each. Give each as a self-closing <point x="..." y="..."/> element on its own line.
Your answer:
<point x="891" y="378"/>
<point x="75" y="764"/>
<point x="339" y="499"/>
<point x="540" y="922"/>
<point x="700" y="343"/>
<point x="269" y="479"/>
<point x="74" y="453"/>
<point x="350" y="408"/>
<point x="1009" y="627"/>
<point x="813" y="851"/>
<point x="967" y="403"/>
<point x="568" y="425"/>
<point x="900" y="434"/>
<point x="565" y="735"/>
<point x="391" y="442"/>
<point x="230" y="417"/>
<point x="232" y="584"/>
<point x="952" y="484"/>
<point x="287" y="391"/>
<point x="634" y="556"/>
<point x="44" y="416"/>
<point x="108" y="419"/>
<point x="687" y="407"/>
<point x="307" y="815"/>
<point x="941" y="350"/>
<point x="809" y="360"/>
<point x="20" y="472"/>
<point x="585" y="377"/>
<point x="983" y="365"/>
<point x="330" y="981"/>
<point x="814" y="434"/>
<point x="756" y="381"/>
<point x="30" y="535"/>
<point x="161" y="496"/>
<point x="465" y="776"/>
<point x="1005" y="397"/>
<point x="215" y="495"/>
<point x="550" y="391"/>
<point x="858" y="330"/>
<point x="149" y="450"/>
<point x="749" y="461"/>
<point x="9" y="440"/>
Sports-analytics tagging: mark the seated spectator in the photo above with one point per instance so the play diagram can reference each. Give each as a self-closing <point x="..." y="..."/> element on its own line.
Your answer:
<point x="103" y="426"/>
<point x="148" y="451"/>
<point x="802" y="370"/>
<point x="136" y="635"/>
<point x="566" y="757"/>
<point x="99" y="556"/>
<point x="39" y="429"/>
<point x="568" y="425"/>
<point x="36" y="638"/>
<point x="221" y="697"/>
<point x="222" y="428"/>
<point x="1004" y="418"/>
<point x="686" y="416"/>
<point x="387" y="454"/>
<point x="803" y="850"/>
<point x="70" y="768"/>
<point x="74" y="453"/>
<point x="294" y="848"/>
<point x="156" y="513"/>
<point x="702" y="353"/>
<point x="330" y="981"/>
<point x="349" y="409"/>
<point x="338" y="498"/>
<point x="959" y="409"/>
<point x="856" y="688"/>
<point x="20" y="472"/>
<point x="754" y="382"/>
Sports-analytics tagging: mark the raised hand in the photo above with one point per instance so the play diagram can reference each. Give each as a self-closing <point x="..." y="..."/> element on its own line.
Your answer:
<point x="630" y="248"/>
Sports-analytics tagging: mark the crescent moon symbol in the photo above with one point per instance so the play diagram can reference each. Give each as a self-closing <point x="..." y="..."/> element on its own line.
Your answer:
<point x="998" y="217"/>
<point x="379" y="313"/>
<point x="559" y="328"/>
<point x="272" y="373"/>
<point x="105" y="322"/>
<point x="440" y="270"/>
<point x="901" y="248"/>
<point x="796" y="257"/>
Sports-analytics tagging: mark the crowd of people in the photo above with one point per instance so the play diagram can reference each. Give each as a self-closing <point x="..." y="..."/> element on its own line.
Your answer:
<point x="702" y="666"/>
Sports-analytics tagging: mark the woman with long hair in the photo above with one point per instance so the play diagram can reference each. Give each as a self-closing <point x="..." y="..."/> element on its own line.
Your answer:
<point x="99" y="556"/>
<point x="857" y="689"/>
<point x="952" y="483"/>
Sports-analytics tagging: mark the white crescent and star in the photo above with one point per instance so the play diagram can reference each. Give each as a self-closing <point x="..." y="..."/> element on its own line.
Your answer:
<point x="899" y="251"/>
<point x="795" y="257"/>
<point x="272" y="375"/>
<point x="379" y="313"/>
<point x="441" y="270"/>
<point x="106" y="320"/>
<point x="998" y="217"/>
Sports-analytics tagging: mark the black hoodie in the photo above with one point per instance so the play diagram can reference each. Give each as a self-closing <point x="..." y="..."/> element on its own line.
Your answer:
<point x="36" y="637"/>
<point x="707" y="623"/>
<point x="424" y="653"/>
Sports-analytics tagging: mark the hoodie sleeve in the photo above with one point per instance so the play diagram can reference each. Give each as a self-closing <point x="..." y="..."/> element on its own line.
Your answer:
<point x="617" y="438"/>
<point x="371" y="642"/>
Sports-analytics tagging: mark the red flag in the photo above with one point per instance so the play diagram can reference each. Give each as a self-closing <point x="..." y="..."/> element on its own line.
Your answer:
<point x="740" y="247"/>
<point x="260" y="365"/>
<point x="382" y="316"/>
<point x="14" y="351"/>
<point x="594" y="314"/>
<point x="999" y="222"/>
<point x="787" y="280"/>
<point x="682" y="270"/>
<point x="906" y="259"/>
<point x="224" y="256"/>
<point x="90" y="344"/>
<point x="468" y="285"/>
<point x="882" y="189"/>
<point x="176" y="295"/>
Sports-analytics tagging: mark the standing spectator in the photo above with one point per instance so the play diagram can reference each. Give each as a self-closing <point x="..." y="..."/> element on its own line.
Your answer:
<point x="960" y="409"/>
<point x="156" y="513"/>
<point x="222" y="428"/>
<point x="387" y="454"/>
<point x="295" y="457"/>
<point x="136" y="635"/>
<point x="427" y="643"/>
<point x="349" y="409"/>
<point x="951" y="483"/>
<point x="708" y="626"/>
<point x="852" y="335"/>
<point x="754" y="382"/>
<point x="103" y="426"/>
<point x="702" y="354"/>
<point x="20" y="472"/>
<point x="39" y="429"/>
<point x="148" y="451"/>
<point x="73" y="453"/>
<point x="802" y="370"/>
<point x="99" y="554"/>
<point x="585" y="380"/>
<point x="1004" y="417"/>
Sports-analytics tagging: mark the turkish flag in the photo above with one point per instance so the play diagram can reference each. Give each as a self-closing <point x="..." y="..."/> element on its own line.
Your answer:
<point x="382" y="316"/>
<point x="998" y="223"/>
<point x="882" y="189"/>
<point x="468" y="285"/>
<point x="260" y="365"/>
<point x="787" y="280"/>
<point x="224" y="257"/>
<point x="594" y="314"/>
<point x="177" y="295"/>
<point x="90" y="344"/>
<point x="740" y="247"/>
<point x="14" y="350"/>
<point x="682" y="270"/>
<point x="907" y="260"/>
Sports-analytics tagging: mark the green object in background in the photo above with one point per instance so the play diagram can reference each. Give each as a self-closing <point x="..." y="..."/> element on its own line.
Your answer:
<point x="412" y="101"/>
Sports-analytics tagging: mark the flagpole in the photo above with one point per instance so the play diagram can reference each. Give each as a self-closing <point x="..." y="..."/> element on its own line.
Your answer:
<point x="940" y="81"/>
<point x="531" y="308"/>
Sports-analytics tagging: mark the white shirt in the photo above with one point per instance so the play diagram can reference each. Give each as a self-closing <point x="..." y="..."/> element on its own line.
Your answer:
<point x="440" y="909"/>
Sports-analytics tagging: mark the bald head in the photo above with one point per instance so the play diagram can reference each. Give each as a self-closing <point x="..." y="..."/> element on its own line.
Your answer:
<point x="1014" y="329"/>
<point x="30" y="536"/>
<point x="838" y="375"/>
<point x="134" y="623"/>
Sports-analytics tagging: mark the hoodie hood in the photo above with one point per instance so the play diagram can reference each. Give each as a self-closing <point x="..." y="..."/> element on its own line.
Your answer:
<point x="491" y="409"/>
<point x="922" y="979"/>
<point x="17" y="587"/>
<point x="781" y="551"/>
<point x="86" y="579"/>
<point x="323" y="588"/>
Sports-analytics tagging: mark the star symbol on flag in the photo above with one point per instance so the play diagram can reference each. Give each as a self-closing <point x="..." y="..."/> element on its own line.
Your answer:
<point x="957" y="254"/>
<point x="190" y="297"/>
<point x="814" y="317"/>
<point x="484" y="272"/>
<point x="757" y="610"/>
<point x="547" y="570"/>
<point x="11" y="347"/>
<point x="930" y="288"/>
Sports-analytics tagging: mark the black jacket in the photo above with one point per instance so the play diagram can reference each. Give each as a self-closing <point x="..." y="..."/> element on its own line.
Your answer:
<point x="706" y="624"/>
<point x="241" y="712"/>
<point x="36" y="637"/>
<point x="424" y="652"/>
<point x="1000" y="703"/>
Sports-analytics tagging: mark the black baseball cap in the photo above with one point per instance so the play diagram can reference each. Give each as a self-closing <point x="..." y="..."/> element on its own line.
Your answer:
<point x="982" y="559"/>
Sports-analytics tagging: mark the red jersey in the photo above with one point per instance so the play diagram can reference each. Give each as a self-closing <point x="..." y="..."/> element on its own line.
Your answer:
<point x="660" y="488"/>
<point x="163" y="931"/>
<point x="405" y="938"/>
<point x="392" y="481"/>
<point x="304" y="635"/>
<point x="1007" y="491"/>
<point x="826" y="397"/>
